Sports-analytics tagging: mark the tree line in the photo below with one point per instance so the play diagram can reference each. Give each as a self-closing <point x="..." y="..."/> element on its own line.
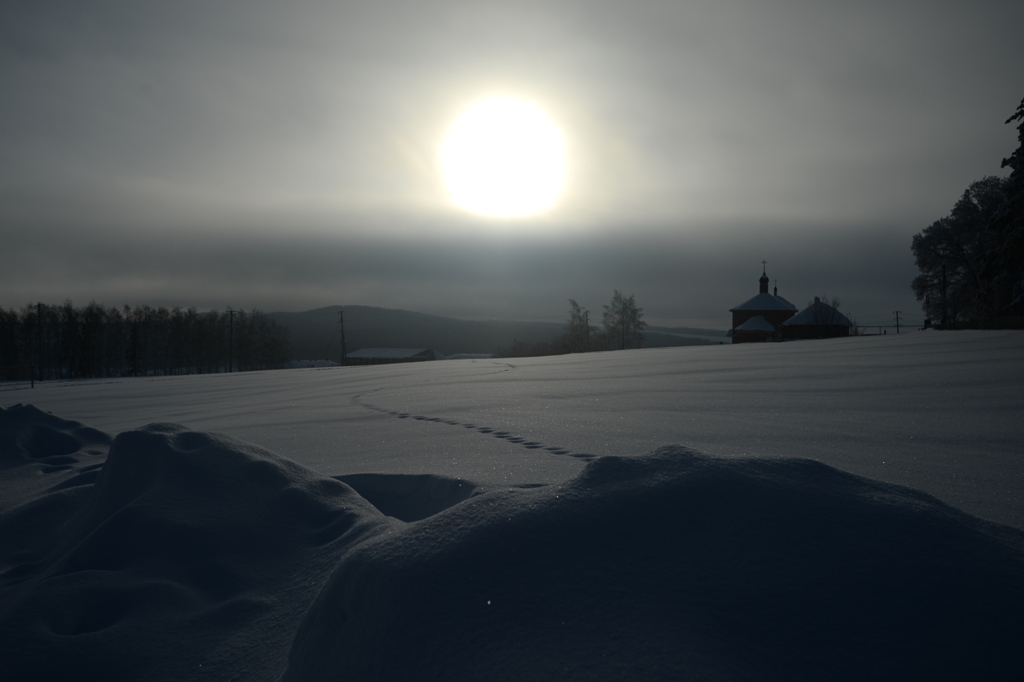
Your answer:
<point x="66" y="342"/>
<point x="622" y="319"/>
<point x="972" y="260"/>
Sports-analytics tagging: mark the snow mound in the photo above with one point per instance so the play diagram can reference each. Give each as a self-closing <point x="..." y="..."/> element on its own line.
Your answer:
<point x="40" y="452"/>
<point x="27" y="434"/>
<point x="190" y="555"/>
<point x="677" y="566"/>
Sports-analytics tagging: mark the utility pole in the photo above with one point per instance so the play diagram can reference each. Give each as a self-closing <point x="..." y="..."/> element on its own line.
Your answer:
<point x="897" y="313"/>
<point x="945" y="306"/>
<point x="344" y="349"/>
<point x="586" y="318"/>
<point x="31" y="373"/>
<point x="231" y="339"/>
<point x="39" y="323"/>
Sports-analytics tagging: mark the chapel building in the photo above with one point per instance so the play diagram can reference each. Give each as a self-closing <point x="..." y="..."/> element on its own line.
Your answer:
<point x="761" y="317"/>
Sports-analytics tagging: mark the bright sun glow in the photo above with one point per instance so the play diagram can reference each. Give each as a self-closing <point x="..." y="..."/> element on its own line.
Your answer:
<point x="504" y="158"/>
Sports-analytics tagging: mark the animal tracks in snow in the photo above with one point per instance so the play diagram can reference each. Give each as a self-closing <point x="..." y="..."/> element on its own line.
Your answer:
<point x="483" y="430"/>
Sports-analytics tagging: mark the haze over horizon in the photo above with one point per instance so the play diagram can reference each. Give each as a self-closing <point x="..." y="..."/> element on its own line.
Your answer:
<point x="285" y="157"/>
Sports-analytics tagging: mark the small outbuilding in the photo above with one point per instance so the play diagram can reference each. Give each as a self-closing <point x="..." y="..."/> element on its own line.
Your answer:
<point x="386" y="356"/>
<point x="817" y="321"/>
<point x="755" y="329"/>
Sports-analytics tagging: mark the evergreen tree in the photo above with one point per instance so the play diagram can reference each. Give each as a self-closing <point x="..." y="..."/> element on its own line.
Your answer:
<point x="955" y="256"/>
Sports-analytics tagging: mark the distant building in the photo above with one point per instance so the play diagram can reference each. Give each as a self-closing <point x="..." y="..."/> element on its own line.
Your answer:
<point x="385" y="356"/>
<point x="817" y="321"/>
<point x="760" y="318"/>
<point x="305" y="364"/>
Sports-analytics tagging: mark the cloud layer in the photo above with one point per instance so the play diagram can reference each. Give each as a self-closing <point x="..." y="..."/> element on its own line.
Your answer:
<point x="286" y="156"/>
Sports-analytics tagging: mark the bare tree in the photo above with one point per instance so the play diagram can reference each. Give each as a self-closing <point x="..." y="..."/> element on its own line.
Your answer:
<point x="577" y="332"/>
<point x="623" y="321"/>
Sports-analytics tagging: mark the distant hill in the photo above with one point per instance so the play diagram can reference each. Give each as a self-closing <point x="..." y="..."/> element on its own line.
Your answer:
<point x="690" y="331"/>
<point x="315" y="333"/>
<point x="708" y="335"/>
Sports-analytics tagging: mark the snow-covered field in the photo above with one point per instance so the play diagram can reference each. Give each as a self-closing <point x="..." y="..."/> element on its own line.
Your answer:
<point x="521" y="519"/>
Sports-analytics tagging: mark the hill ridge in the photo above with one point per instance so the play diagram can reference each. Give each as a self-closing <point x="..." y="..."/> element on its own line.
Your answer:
<point x="316" y="333"/>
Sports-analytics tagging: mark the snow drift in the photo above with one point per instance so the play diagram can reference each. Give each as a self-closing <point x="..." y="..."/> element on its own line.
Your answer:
<point x="677" y="566"/>
<point x="189" y="555"/>
<point x="186" y="555"/>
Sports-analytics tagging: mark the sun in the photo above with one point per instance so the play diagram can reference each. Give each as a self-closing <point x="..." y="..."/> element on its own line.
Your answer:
<point x="504" y="157"/>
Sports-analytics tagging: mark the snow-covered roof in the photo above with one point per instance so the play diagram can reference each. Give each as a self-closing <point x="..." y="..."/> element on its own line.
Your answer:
<point x="765" y="302"/>
<point x="756" y="324"/>
<point x="396" y="353"/>
<point x="818" y="313"/>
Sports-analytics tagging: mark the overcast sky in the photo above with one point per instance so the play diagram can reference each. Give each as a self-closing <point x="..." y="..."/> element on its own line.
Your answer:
<point x="284" y="155"/>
